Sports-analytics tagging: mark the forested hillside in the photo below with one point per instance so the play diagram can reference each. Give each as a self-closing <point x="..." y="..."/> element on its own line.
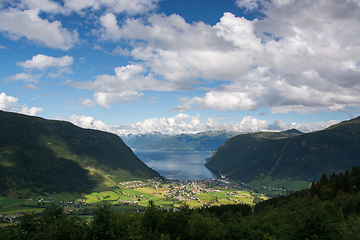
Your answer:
<point x="48" y="155"/>
<point x="299" y="157"/>
<point x="328" y="210"/>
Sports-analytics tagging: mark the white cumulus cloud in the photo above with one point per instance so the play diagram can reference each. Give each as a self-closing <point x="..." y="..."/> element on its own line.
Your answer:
<point x="248" y="4"/>
<point x="16" y="23"/>
<point x="116" y="6"/>
<point x="301" y="56"/>
<point x="24" y="77"/>
<point x="41" y="61"/>
<point x="81" y="6"/>
<point x="222" y="100"/>
<point x="9" y="103"/>
<point x="30" y="111"/>
<point x="124" y="85"/>
<point x="89" y="122"/>
<point x="40" y="65"/>
<point x="180" y="51"/>
<point x="188" y="124"/>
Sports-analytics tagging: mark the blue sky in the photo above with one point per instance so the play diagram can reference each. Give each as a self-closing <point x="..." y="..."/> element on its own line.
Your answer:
<point x="138" y="66"/>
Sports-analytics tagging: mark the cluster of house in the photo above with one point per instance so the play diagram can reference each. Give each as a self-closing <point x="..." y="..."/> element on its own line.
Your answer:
<point x="184" y="190"/>
<point x="78" y="204"/>
<point x="218" y="182"/>
<point x="273" y="189"/>
<point x="49" y="200"/>
<point x="134" y="184"/>
<point x="128" y="201"/>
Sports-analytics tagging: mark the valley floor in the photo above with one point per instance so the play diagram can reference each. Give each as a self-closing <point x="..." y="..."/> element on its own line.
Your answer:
<point x="135" y="196"/>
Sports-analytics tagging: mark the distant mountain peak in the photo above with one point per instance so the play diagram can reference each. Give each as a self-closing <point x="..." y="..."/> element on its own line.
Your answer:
<point x="293" y="130"/>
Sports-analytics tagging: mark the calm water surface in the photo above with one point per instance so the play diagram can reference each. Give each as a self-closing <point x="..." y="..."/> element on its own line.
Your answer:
<point x="182" y="165"/>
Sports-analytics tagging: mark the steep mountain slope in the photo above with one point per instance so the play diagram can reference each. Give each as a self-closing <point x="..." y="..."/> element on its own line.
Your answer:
<point x="299" y="157"/>
<point x="204" y="141"/>
<point x="56" y="156"/>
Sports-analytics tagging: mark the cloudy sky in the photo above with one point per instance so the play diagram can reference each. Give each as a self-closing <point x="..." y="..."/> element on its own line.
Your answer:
<point x="180" y="66"/>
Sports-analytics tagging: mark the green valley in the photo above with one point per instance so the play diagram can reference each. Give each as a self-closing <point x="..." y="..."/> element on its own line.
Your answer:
<point x="329" y="209"/>
<point x="133" y="196"/>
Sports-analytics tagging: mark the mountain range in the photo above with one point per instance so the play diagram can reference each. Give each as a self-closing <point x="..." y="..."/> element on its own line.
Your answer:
<point x="143" y="140"/>
<point x="203" y="141"/>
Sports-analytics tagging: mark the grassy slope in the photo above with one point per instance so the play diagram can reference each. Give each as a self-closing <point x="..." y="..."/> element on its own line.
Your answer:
<point x="280" y="155"/>
<point x="52" y="156"/>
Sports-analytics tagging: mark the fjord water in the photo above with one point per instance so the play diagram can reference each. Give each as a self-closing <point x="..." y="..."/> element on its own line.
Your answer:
<point x="181" y="165"/>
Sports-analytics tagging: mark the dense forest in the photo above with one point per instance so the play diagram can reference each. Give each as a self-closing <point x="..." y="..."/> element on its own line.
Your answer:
<point x="330" y="209"/>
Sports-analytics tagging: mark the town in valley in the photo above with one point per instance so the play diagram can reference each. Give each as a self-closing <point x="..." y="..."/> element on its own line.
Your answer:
<point x="135" y="196"/>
